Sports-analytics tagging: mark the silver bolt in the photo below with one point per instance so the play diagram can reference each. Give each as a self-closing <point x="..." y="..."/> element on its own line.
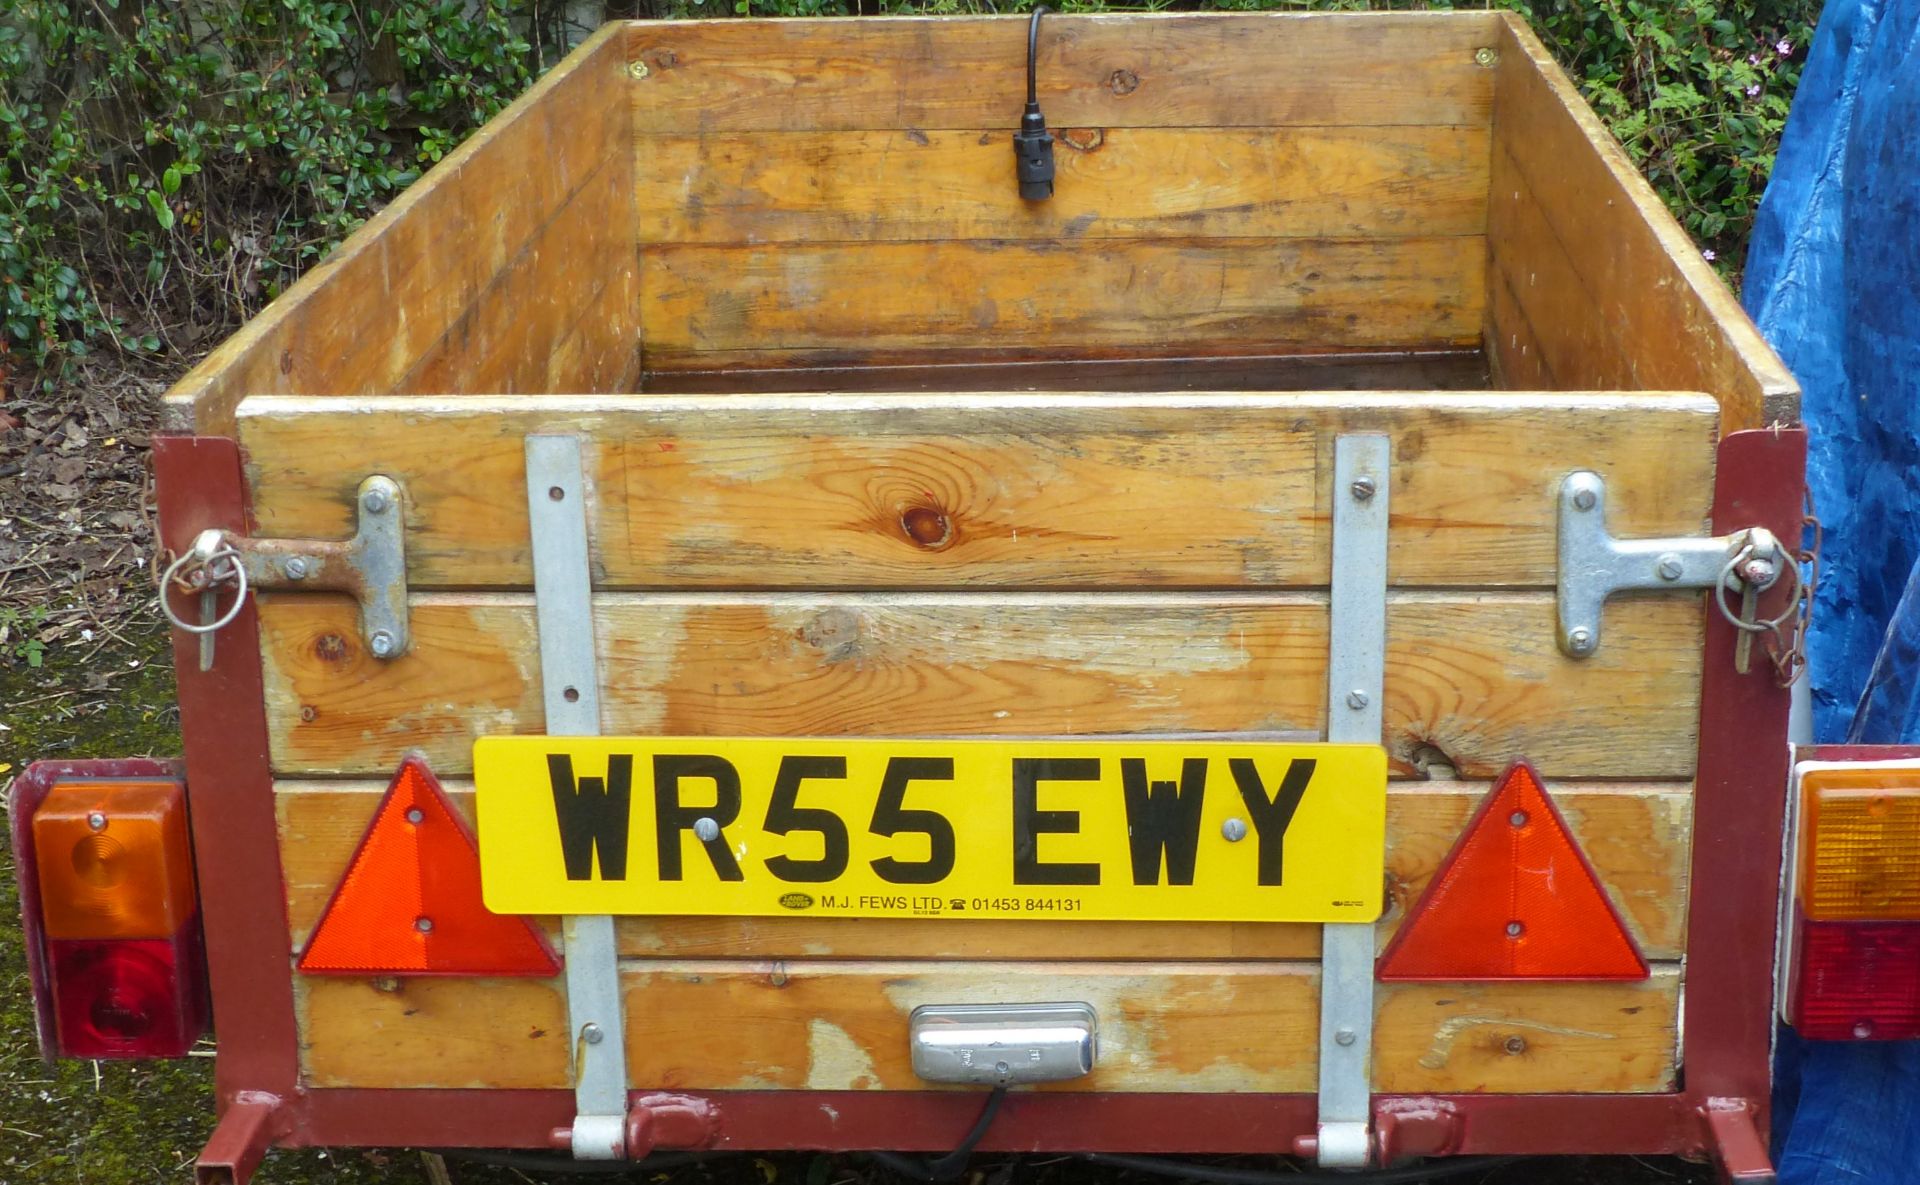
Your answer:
<point x="1344" y="1037"/>
<point x="1669" y="567"/>
<point x="97" y="820"/>
<point x="706" y="830"/>
<point x="637" y="70"/>
<point x="1356" y="699"/>
<point x="1234" y="830"/>
<point x="591" y="1034"/>
<point x="1363" y="488"/>
<point x="382" y="644"/>
<point x="1515" y="929"/>
<point x="424" y="925"/>
<point x="1518" y="818"/>
<point x="1759" y="572"/>
<point x="1585" y="499"/>
<point x="1580" y="642"/>
<point x="295" y="567"/>
<point x="416" y="815"/>
<point x="374" y="500"/>
<point x="1485" y="56"/>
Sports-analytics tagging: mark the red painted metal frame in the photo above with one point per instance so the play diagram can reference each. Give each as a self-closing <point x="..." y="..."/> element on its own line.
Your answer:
<point x="1720" y="1107"/>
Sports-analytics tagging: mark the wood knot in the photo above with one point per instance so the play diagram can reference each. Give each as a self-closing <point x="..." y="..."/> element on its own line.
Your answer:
<point x="331" y="648"/>
<point x="1083" y="139"/>
<point x="286" y="362"/>
<point x="1123" y="82"/>
<point x="926" y="526"/>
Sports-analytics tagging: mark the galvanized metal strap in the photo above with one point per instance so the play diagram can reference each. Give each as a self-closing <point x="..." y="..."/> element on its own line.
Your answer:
<point x="1356" y="672"/>
<point x="570" y="683"/>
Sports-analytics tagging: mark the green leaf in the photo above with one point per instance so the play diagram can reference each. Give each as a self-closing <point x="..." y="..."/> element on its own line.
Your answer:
<point x="170" y="180"/>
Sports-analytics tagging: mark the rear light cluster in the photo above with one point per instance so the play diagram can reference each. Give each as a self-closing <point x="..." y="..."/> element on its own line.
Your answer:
<point x="110" y="909"/>
<point x="1854" y="954"/>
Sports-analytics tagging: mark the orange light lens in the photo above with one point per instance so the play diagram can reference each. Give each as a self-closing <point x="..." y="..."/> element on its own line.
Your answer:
<point x="1860" y="855"/>
<point x="114" y="860"/>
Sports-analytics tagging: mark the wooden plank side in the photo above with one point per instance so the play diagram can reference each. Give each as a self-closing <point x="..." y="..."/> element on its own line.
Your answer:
<point x="1114" y="71"/>
<point x="1475" y="676"/>
<point x="509" y="340"/>
<point x="1550" y="305"/>
<point x="1636" y="835"/>
<point x="358" y="321"/>
<point x="1385" y="182"/>
<point x="885" y="490"/>
<point x="1185" y="1026"/>
<point x="1167" y="293"/>
<point x="1681" y="327"/>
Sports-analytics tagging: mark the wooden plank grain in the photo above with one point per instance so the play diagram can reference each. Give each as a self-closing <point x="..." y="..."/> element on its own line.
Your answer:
<point x="1168" y="293"/>
<point x="1386" y="182"/>
<point x="356" y="323"/>
<point x="1680" y="327"/>
<point x="1177" y="1026"/>
<point x="1636" y="835"/>
<point x="1107" y="71"/>
<point x="887" y="490"/>
<point x="1473" y="676"/>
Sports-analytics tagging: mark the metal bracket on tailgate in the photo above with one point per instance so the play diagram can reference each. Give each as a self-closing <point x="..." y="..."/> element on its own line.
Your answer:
<point x="570" y="683"/>
<point x="1356" y="674"/>
<point x="371" y="567"/>
<point x="1594" y="565"/>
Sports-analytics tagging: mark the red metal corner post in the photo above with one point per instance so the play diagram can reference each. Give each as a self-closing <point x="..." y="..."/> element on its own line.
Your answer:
<point x="223" y="726"/>
<point x="1739" y="804"/>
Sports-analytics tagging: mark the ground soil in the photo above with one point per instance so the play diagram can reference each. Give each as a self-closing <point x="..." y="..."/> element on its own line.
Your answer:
<point x="84" y="672"/>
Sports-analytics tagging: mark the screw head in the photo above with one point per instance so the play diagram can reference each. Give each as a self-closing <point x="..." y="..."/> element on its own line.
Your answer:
<point x="416" y="815"/>
<point x="1485" y="56"/>
<point x="1344" y="1037"/>
<point x="382" y="644"/>
<point x="1585" y="499"/>
<point x="423" y="924"/>
<point x="706" y="830"/>
<point x="1863" y="1029"/>
<point x="1669" y="567"/>
<point x="1580" y="642"/>
<point x="1234" y="830"/>
<point x="591" y="1034"/>
<point x="1518" y="818"/>
<point x="1516" y="1045"/>
<point x="1363" y="489"/>
<point x="1515" y="929"/>
<point x="296" y="567"/>
<point x="375" y="501"/>
<point x="637" y="70"/>
<point x="1356" y="699"/>
<point x="97" y="820"/>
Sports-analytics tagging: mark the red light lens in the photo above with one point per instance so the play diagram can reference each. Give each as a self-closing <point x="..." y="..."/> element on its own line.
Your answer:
<point x="128" y="997"/>
<point x="1857" y="981"/>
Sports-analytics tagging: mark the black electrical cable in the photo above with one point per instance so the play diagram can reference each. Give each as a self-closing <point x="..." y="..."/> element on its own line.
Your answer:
<point x="953" y="1165"/>
<point x="1213" y="1175"/>
<point x="1033" y="54"/>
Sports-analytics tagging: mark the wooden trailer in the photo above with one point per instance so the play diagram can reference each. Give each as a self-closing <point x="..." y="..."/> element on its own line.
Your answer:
<point x="870" y="447"/>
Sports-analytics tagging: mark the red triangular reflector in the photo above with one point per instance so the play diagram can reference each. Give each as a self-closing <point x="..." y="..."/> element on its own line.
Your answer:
<point x="1516" y="899"/>
<point x="409" y="903"/>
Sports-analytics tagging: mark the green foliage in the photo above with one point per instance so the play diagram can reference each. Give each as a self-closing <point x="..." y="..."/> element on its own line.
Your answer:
<point x="167" y="164"/>
<point x="19" y="634"/>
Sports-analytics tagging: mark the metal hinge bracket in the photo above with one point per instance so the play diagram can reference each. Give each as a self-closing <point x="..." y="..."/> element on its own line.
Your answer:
<point x="1594" y="565"/>
<point x="371" y="567"/>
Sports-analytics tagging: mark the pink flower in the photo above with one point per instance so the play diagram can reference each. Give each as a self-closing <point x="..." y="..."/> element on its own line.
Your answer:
<point x="1753" y="59"/>
<point x="1783" y="47"/>
<point x="1753" y="92"/>
<point x="1709" y="255"/>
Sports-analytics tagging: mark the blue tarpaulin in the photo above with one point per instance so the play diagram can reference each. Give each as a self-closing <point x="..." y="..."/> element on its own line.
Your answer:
<point x="1833" y="277"/>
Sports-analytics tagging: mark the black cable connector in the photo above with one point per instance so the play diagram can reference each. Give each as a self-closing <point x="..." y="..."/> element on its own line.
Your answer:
<point x="1033" y="144"/>
<point x="953" y="1165"/>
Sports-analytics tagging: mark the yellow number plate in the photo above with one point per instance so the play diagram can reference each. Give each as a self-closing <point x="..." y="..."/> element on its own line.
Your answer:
<point x="1110" y="829"/>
